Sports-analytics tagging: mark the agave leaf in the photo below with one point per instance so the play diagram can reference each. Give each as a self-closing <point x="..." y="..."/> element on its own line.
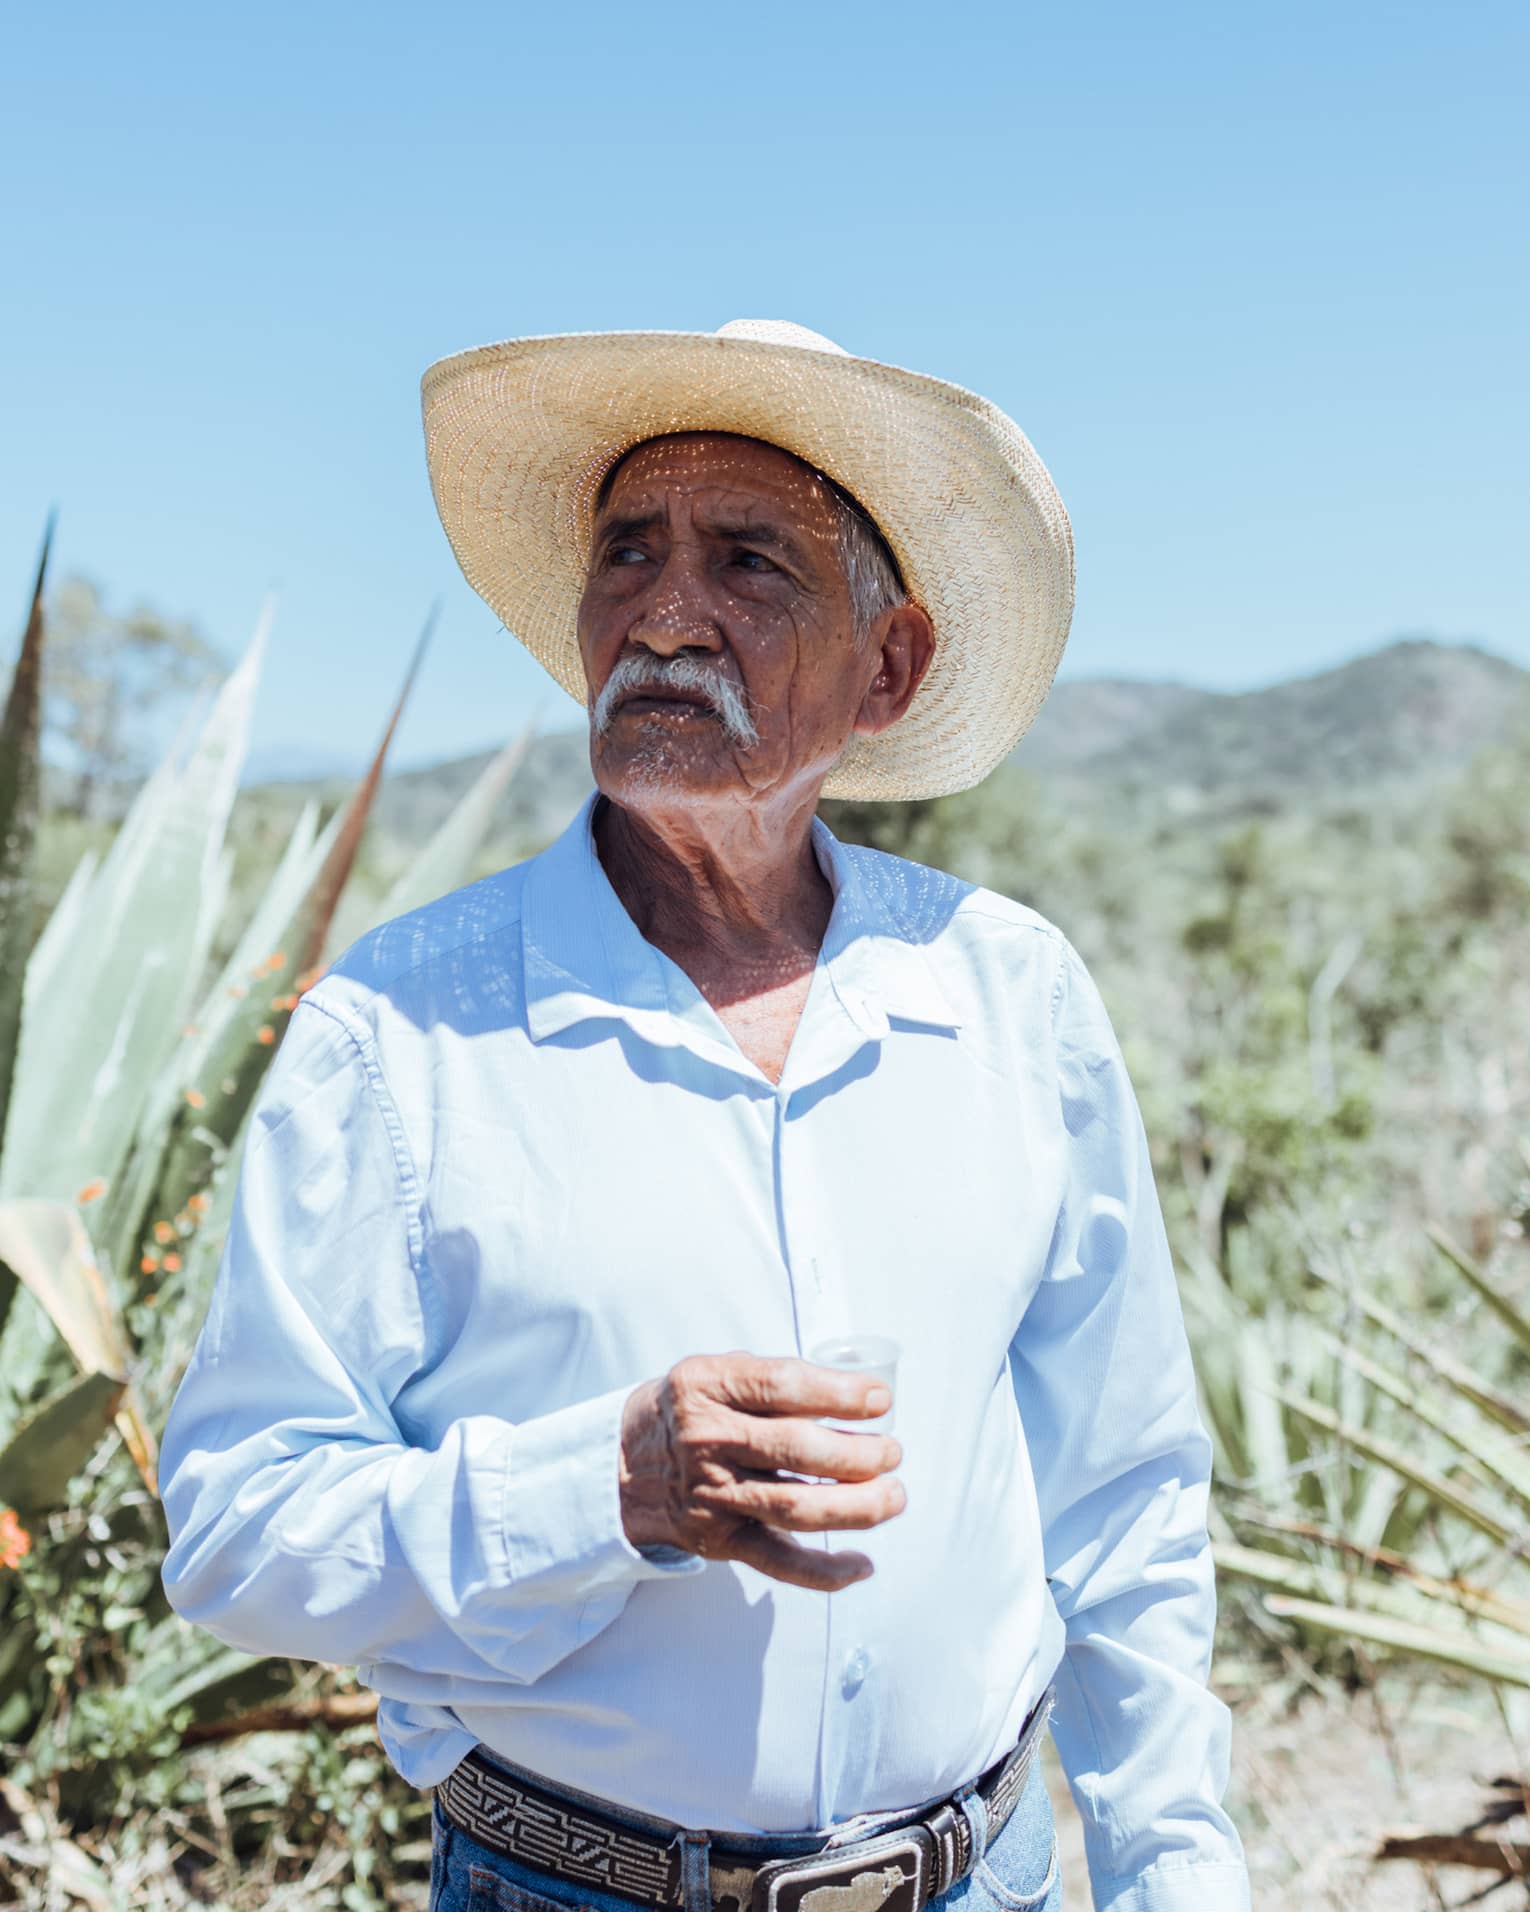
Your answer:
<point x="46" y="1244"/>
<point x="1269" y="1457"/>
<point x="1517" y="1324"/>
<point x="337" y="868"/>
<point x="1410" y="1594"/>
<point x="1382" y="1499"/>
<point x="447" y="859"/>
<point x="65" y="922"/>
<point x="183" y="1296"/>
<point x="231" y="1063"/>
<point x="1508" y="1413"/>
<point x="1426" y="1642"/>
<point x="20" y="788"/>
<point x="1491" y="1456"/>
<point x="115" y="1000"/>
<point x="52" y="1445"/>
<point x="1388" y="1454"/>
<point x="224" y="1036"/>
<point x="242" y="1680"/>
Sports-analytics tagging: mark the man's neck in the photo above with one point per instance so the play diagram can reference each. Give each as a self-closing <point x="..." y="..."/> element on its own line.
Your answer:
<point x="737" y="898"/>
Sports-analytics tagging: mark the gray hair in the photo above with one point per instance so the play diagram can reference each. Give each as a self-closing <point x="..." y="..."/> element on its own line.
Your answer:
<point x="871" y="570"/>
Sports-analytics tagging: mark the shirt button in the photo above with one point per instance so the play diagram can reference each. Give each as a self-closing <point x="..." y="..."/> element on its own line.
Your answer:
<point x="856" y="1663"/>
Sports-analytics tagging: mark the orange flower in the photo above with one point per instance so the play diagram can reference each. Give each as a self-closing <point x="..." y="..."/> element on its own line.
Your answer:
<point x="172" y="1264"/>
<point x="195" y="1099"/>
<point x="91" y="1192"/>
<point x="163" y="1232"/>
<point x="148" y="1264"/>
<point x="15" y="1541"/>
<point x="266" y="1034"/>
<point x="199" y="1203"/>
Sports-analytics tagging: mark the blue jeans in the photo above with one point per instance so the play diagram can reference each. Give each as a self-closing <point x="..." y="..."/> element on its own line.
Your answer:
<point x="1017" y="1873"/>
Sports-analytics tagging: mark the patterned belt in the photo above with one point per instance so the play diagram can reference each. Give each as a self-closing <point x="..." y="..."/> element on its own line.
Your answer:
<point x="892" y="1871"/>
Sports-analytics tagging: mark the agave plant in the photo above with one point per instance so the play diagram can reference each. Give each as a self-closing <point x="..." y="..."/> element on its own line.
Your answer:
<point x="127" y="1076"/>
<point x="1423" y="1546"/>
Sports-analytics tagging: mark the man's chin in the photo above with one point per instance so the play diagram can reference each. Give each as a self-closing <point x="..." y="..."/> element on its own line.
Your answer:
<point x="650" y="768"/>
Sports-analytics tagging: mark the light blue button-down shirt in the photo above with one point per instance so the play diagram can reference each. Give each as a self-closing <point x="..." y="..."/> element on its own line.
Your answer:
<point x="508" y="1163"/>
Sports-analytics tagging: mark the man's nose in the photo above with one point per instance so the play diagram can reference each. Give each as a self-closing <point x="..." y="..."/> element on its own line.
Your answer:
<point x="676" y="615"/>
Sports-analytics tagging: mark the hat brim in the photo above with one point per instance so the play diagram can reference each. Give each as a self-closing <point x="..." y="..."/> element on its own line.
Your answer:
<point x="519" y="435"/>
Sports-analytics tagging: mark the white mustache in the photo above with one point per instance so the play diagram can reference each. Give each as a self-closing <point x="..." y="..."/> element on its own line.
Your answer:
<point x="682" y="673"/>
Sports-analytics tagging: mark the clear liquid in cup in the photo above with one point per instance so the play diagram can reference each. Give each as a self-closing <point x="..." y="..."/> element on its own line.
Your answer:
<point x="875" y="1356"/>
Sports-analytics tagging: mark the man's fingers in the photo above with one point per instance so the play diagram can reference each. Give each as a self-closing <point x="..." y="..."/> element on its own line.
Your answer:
<point x="783" y="1384"/>
<point x="805" y="1447"/>
<point x="814" y="1509"/>
<point x="772" y="1553"/>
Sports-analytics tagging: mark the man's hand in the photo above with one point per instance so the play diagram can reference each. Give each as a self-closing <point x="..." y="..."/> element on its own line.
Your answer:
<point x="701" y="1450"/>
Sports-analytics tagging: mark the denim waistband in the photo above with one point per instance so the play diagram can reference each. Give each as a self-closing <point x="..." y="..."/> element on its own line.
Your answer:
<point x="760" y="1844"/>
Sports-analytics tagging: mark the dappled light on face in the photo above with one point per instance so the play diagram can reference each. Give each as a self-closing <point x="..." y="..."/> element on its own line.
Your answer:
<point x="722" y="619"/>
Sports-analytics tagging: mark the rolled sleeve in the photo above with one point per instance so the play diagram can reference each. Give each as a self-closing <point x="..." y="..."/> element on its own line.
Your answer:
<point x="1122" y="1464"/>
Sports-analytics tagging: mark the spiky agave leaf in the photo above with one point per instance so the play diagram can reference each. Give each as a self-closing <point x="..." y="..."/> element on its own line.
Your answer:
<point x="229" y="1019"/>
<point x="1409" y="1593"/>
<point x="1388" y="1454"/>
<point x="179" y="1665"/>
<point x="249" y="1024"/>
<point x="1464" y="1380"/>
<point x="182" y="1296"/>
<point x="65" y="922"/>
<point x="1462" y="1650"/>
<point x="47" y="1246"/>
<point x="1502" y="1462"/>
<point x="20" y="788"/>
<point x="447" y="859"/>
<point x="1517" y="1323"/>
<point x="115" y="999"/>
<point x="55" y="1441"/>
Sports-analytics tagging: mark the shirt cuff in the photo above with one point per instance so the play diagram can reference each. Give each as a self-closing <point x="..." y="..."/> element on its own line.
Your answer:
<point x="562" y="1514"/>
<point x="1207" y="1886"/>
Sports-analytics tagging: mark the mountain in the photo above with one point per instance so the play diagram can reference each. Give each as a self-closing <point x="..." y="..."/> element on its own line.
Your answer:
<point x="1085" y="719"/>
<point x="1413" y="712"/>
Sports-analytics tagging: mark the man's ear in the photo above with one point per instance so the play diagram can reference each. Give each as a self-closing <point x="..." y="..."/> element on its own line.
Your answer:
<point x="903" y="642"/>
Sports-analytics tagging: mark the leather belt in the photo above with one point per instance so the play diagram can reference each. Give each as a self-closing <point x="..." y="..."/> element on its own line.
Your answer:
<point x="896" y="1870"/>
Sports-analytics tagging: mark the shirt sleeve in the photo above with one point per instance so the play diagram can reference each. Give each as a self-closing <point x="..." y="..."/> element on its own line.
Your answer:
<point x="1122" y="1464"/>
<point x="303" y="1521"/>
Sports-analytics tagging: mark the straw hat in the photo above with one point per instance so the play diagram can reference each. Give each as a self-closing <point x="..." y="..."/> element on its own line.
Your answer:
<point x="518" y="437"/>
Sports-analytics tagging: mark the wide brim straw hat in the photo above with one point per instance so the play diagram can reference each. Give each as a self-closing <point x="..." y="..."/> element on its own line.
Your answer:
<point x="518" y="437"/>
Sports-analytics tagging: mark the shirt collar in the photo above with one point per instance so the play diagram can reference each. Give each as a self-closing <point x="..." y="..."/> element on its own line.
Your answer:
<point x="583" y="956"/>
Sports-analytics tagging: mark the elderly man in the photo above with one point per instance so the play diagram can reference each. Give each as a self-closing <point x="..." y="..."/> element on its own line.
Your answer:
<point x="507" y="1394"/>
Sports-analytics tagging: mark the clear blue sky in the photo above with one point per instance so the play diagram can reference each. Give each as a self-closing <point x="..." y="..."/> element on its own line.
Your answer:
<point x="1252" y="279"/>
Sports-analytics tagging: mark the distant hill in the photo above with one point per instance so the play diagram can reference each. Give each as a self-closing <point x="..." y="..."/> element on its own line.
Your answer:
<point x="1085" y="719"/>
<point x="1411" y="712"/>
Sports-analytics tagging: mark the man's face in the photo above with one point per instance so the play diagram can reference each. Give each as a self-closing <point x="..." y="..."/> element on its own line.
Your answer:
<point x="722" y="553"/>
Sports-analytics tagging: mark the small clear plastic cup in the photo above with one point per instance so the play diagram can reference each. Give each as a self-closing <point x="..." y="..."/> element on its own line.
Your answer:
<point x="873" y="1355"/>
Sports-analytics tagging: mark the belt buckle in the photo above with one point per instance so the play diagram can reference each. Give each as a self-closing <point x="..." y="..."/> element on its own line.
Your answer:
<point x="886" y="1874"/>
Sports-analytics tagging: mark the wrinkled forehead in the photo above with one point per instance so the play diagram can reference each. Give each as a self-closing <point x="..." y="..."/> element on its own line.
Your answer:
<point x="722" y="463"/>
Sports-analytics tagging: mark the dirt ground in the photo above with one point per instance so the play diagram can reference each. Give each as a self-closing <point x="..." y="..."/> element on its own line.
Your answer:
<point x="1315" y="1785"/>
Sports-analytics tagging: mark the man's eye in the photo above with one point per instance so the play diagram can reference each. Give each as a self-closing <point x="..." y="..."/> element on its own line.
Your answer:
<point x="753" y="560"/>
<point x="624" y="554"/>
